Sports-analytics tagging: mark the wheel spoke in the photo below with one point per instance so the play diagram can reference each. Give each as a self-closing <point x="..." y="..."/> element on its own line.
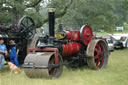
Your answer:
<point x="96" y="57"/>
<point x="27" y="21"/>
<point x="98" y="63"/>
<point x="23" y="25"/>
<point x="30" y="35"/>
<point x="99" y="48"/>
<point x="96" y="53"/>
<point x="96" y="49"/>
<point x="101" y="60"/>
<point x="30" y="27"/>
<point x="51" y="71"/>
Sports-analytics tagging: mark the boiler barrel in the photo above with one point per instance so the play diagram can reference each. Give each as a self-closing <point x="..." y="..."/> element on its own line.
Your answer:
<point x="73" y="35"/>
<point x="71" y="48"/>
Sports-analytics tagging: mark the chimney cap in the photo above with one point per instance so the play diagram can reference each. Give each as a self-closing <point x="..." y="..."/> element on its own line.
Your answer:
<point x="51" y="9"/>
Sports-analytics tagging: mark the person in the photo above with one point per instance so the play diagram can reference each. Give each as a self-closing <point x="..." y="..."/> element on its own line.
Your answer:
<point x="3" y="52"/>
<point x="13" y="53"/>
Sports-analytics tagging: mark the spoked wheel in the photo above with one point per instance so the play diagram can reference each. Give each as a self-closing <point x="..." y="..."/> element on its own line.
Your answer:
<point x="45" y="59"/>
<point x="97" y="53"/>
<point x="26" y="25"/>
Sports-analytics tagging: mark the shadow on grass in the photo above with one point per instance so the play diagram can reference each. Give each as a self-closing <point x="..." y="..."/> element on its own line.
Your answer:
<point x="79" y="68"/>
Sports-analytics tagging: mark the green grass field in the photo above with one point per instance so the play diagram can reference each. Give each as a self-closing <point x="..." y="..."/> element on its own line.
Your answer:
<point x="116" y="73"/>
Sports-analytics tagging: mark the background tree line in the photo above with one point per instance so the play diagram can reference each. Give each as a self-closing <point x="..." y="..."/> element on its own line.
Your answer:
<point x="99" y="14"/>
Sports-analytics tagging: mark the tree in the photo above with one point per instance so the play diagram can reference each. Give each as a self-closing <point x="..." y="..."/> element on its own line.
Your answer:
<point x="124" y="7"/>
<point x="96" y="13"/>
<point x="15" y="9"/>
<point x="99" y="14"/>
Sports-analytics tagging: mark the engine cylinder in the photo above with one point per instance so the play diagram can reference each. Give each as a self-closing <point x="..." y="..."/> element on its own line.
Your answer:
<point x="68" y="34"/>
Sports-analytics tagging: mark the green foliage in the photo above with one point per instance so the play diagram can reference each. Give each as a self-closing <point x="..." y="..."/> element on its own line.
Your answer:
<point x="13" y="10"/>
<point x="96" y="13"/>
<point x="4" y="19"/>
<point x="125" y="26"/>
<point x="99" y="14"/>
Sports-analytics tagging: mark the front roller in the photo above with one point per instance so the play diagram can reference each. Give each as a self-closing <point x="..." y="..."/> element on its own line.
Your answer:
<point x="97" y="54"/>
<point x="42" y="64"/>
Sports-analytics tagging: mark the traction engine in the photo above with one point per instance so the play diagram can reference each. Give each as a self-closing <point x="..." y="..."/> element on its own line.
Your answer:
<point x="73" y="49"/>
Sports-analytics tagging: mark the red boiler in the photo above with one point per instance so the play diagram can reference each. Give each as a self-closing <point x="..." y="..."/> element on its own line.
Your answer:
<point x="71" y="48"/>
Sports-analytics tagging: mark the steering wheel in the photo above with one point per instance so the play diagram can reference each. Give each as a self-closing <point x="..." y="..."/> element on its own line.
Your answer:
<point x="27" y="26"/>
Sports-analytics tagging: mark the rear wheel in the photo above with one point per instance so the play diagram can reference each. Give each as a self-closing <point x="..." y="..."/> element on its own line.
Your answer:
<point x="97" y="52"/>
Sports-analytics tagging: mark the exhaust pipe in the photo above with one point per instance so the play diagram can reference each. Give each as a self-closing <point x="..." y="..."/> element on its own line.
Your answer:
<point x="51" y="15"/>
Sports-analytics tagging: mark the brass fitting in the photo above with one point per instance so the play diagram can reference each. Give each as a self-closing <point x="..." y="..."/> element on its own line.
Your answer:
<point x="51" y="9"/>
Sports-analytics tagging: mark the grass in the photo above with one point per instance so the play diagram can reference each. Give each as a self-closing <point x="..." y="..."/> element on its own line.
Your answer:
<point x="116" y="73"/>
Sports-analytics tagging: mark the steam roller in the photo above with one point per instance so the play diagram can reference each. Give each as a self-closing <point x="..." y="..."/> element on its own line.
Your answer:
<point x="73" y="49"/>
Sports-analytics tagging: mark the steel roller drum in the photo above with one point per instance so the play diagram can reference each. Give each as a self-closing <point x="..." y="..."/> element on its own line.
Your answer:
<point x="42" y="59"/>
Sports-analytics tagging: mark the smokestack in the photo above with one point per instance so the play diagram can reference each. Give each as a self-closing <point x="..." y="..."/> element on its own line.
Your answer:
<point x="51" y="15"/>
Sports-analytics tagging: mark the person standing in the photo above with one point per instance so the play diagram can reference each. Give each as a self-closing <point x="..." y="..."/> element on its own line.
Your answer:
<point x="13" y="53"/>
<point x="3" y="52"/>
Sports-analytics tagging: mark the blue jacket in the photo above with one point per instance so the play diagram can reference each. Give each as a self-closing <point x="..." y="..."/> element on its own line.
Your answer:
<point x="2" y="48"/>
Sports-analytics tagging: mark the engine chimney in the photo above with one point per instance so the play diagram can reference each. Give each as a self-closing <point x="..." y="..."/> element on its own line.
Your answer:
<point x="51" y="15"/>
